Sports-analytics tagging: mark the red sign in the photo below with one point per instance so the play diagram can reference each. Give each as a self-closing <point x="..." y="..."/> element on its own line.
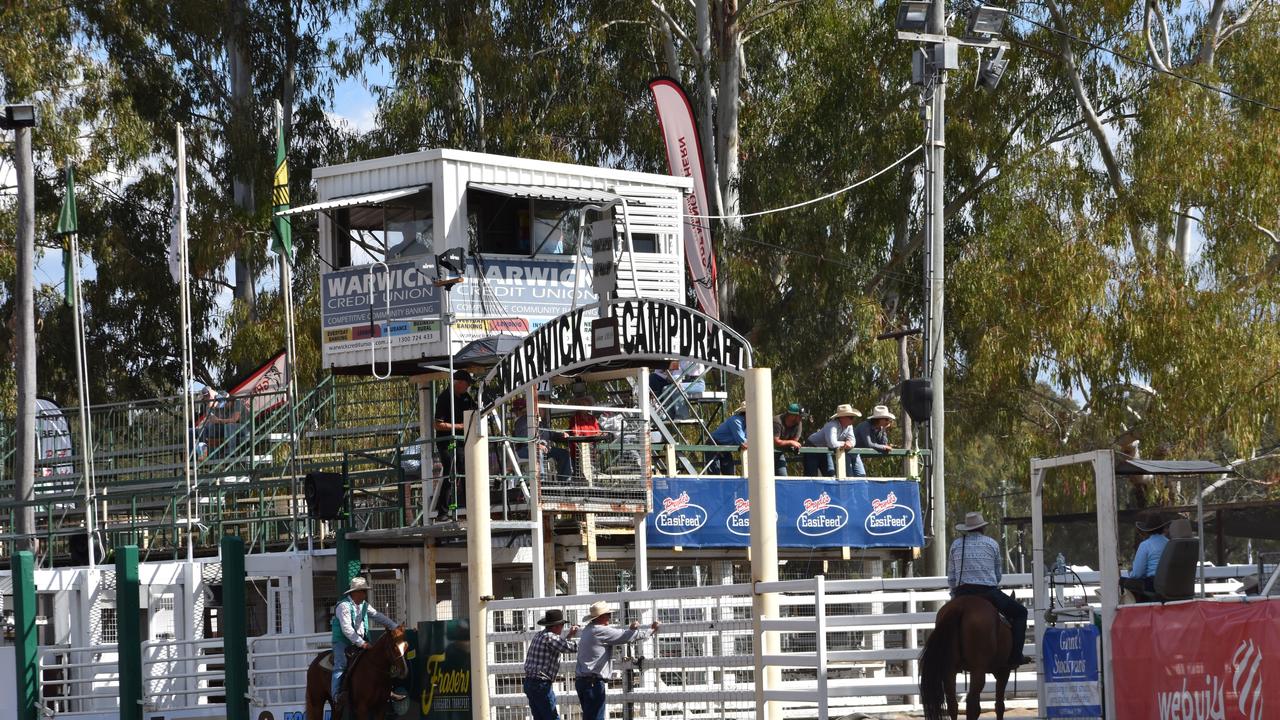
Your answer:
<point x="1197" y="661"/>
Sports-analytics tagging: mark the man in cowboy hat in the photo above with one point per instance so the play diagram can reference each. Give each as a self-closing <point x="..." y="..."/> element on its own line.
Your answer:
<point x="542" y="664"/>
<point x="1141" y="579"/>
<point x="350" y="627"/>
<point x="733" y="431"/>
<point x="595" y="657"/>
<point x="788" y="429"/>
<point x="835" y="434"/>
<point x="874" y="431"/>
<point x="974" y="568"/>
<point x="451" y="409"/>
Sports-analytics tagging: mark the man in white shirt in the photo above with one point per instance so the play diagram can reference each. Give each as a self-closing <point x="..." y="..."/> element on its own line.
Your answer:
<point x="595" y="657"/>
<point x="350" y="627"/>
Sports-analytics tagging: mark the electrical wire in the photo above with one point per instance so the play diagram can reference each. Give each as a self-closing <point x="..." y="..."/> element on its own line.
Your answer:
<point x="812" y="201"/>
<point x="1143" y="63"/>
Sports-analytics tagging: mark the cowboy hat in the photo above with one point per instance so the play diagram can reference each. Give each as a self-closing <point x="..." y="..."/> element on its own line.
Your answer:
<point x="597" y="609"/>
<point x="357" y="583"/>
<point x="742" y="407"/>
<point x="1151" y="522"/>
<point x="972" y="521"/>
<point x="553" y="617"/>
<point x="881" y="412"/>
<point x="844" y="410"/>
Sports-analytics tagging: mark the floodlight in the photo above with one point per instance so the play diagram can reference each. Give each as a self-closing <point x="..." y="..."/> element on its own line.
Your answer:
<point x="450" y="267"/>
<point x="990" y="71"/>
<point x="913" y="15"/>
<point x="986" y="21"/>
<point x="18" y="116"/>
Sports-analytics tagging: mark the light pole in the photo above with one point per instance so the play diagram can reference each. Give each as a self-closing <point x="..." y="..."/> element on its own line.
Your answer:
<point x="20" y="119"/>
<point x="925" y="22"/>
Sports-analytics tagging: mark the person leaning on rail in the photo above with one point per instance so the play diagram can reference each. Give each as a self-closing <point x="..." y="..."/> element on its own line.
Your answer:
<point x="542" y="664"/>
<point x="836" y="434"/>
<point x="788" y="435"/>
<point x="974" y="568"/>
<point x="595" y="657"/>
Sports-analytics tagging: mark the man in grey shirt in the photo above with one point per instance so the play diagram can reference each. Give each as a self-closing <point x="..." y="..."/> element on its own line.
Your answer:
<point x="595" y="657"/>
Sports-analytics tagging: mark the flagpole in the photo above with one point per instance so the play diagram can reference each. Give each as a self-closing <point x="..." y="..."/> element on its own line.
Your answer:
<point x="189" y="468"/>
<point x="82" y="380"/>
<point x="280" y="195"/>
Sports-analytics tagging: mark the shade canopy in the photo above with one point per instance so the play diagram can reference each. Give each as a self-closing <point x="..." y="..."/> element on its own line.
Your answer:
<point x="1131" y="466"/>
<point x="545" y="192"/>
<point x="376" y="198"/>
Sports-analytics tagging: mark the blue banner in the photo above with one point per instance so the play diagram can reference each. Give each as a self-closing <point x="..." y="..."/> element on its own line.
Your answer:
<point x="1071" y="672"/>
<point x="715" y="512"/>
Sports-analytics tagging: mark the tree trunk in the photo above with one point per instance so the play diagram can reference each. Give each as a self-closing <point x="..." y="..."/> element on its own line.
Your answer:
<point x="241" y="144"/>
<point x="729" y="107"/>
<point x="706" y="123"/>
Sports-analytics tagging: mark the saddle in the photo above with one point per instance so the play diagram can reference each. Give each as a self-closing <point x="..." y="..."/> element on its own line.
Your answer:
<point x="354" y="655"/>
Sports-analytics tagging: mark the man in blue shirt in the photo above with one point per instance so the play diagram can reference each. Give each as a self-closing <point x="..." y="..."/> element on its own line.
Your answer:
<point x="974" y="567"/>
<point x="1141" y="579"/>
<point x="733" y="431"/>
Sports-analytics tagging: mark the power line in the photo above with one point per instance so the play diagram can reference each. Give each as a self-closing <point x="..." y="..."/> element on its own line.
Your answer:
<point x="818" y="199"/>
<point x="1143" y="63"/>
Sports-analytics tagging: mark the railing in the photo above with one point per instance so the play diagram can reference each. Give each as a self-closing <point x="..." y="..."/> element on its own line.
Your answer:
<point x="86" y="681"/>
<point x="278" y="666"/>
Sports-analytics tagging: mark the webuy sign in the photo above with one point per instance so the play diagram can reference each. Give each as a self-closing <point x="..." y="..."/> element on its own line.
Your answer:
<point x="647" y="330"/>
<point x="716" y="512"/>
<point x="1198" y="661"/>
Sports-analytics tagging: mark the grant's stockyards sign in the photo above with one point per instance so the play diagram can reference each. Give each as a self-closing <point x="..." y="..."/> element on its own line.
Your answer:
<point x="647" y="329"/>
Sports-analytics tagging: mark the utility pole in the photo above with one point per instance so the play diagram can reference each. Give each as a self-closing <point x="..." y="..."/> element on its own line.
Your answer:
<point x="935" y="361"/>
<point x="21" y="118"/>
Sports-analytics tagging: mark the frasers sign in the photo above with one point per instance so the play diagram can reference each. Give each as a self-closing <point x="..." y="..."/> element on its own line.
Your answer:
<point x="716" y="512"/>
<point x="1198" y="661"/>
<point x="647" y="329"/>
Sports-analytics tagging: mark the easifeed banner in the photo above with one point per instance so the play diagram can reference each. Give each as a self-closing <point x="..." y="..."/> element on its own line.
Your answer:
<point x="1201" y="660"/>
<point x="716" y="512"/>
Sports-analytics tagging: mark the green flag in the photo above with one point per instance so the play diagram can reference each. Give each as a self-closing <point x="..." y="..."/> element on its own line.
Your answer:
<point x="282" y="229"/>
<point x="68" y="224"/>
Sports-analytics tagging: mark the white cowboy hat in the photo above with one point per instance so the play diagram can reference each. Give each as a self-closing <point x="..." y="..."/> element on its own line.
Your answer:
<point x="844" y="410"/>
<point x="881" y="412"/>
<point x="972" y="521"/>
<point x="597" y="609"/>
<point x="357" y="583"/>
<point x="742" y="407"/>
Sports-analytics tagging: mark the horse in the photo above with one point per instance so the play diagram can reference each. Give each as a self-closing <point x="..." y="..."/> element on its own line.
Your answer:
<point x="368" y="679"/>
<point x="968" y="634"/>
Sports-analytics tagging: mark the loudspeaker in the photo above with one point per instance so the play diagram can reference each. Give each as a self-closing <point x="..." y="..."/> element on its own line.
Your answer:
<point x="325" y="493"/>
<point x="79" y="548"/>
<point x="917" y="398"/>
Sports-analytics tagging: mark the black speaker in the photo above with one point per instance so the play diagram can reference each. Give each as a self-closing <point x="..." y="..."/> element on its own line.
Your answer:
<point x="79" y="548"/>
<point x="917" y="398"/>
<point x="325" y="493"/>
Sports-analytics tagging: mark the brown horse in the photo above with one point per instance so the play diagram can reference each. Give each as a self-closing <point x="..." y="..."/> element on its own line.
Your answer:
<point x="368" y="679"/>
<point x="968" y="634"/>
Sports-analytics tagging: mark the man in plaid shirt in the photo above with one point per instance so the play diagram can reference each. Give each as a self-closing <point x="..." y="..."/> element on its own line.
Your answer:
<point x="542" y="664"/>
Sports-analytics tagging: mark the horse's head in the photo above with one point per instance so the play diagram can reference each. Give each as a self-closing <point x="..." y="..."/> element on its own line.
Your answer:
<point x="393" y="646"/>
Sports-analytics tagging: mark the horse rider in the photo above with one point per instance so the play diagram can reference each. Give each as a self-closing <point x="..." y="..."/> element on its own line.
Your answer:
<point x="974" y="568"/>
<point x="350" y="626"/>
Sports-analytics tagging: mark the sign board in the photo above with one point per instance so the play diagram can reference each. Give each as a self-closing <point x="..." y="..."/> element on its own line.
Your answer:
<point x="604" y="249"/>
<point x="53" y="438"/>
<point x="1203" y="659"/>
<point x="1072" y="689"/>
<point x="398" y="305"/>
<point x="647" y="330"/>
<point x="716" y="512"/>
<point x="445" y="675"/>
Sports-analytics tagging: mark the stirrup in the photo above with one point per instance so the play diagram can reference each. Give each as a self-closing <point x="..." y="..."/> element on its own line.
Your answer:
<point x="397" y="697"/>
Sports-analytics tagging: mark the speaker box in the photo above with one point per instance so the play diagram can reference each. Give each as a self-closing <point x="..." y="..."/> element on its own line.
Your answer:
<point x="79" y="548"/>
<point x="325" y="493"/>
<point x="917" y="398"/>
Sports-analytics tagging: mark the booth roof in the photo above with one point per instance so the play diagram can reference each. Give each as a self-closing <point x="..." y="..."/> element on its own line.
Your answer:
<point x="1130" y="466"/>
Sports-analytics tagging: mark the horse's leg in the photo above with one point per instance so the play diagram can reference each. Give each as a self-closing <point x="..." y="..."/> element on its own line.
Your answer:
<point x="973" y="701"/>
<point x="1002" y="681"/>
<point x="952" y="704"/>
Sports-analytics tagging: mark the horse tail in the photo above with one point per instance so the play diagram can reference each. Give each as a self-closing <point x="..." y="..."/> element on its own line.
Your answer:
<point x="937" y="662"/>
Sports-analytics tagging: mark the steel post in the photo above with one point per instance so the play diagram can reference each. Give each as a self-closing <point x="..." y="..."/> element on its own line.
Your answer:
<point x="479" y="557"/>
<point x="25" y="467"/>
<point x="235" y="628"/>
<point x="25" y="638"/>
<point x="129" y="633"/>
<point x="764" y="532"/>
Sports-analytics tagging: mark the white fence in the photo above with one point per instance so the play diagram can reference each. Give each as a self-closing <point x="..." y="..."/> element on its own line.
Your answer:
<point x="278" y="667"/>
<point x="177" y="675"/>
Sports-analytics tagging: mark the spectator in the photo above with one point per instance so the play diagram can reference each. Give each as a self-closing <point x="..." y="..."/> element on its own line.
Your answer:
<point x="542" y="435"/>
<point x="542" y="664"/>
<point x="872" y="433"/>
<point x="1141" y="579"/>
<point x="837" y="433"/>
<point x="733" y="431"/>
<point x="788" y="431"/>
<point x="451" y="409"/>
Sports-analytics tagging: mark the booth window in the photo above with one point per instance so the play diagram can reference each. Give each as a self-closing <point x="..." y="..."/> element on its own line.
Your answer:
<point x="393" y="230"/>
<point x="522" y="226"/>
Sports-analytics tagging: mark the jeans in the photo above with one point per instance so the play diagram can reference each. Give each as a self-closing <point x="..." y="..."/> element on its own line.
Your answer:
<point x="816" y="465"/>
<point x="590" y="696"/>
<point x="339" y="669"/>
<point x="1014" y="611"/>
<point x="542" y="699"/>
<point x="722" y="464"/>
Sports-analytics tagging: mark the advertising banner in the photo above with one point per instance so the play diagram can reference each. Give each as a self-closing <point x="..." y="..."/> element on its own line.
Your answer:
<point x="267" y="385"/>
<point x="716" y="512"/>
<point x="1198" y="661"/>
<point x="1071" y="673"/>
<point x="361" y="303"/>
<point x="445" y="681"/>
